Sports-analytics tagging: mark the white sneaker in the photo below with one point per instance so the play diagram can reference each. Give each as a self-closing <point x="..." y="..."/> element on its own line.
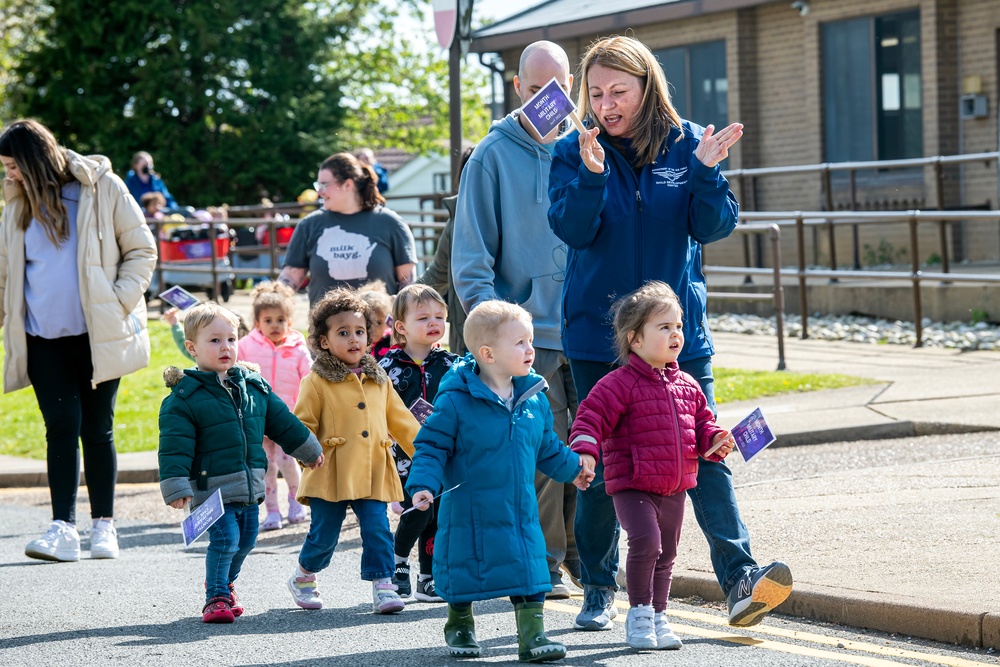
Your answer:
<point x="665" y="637"/>
<point x="103" y="539"/>
<point x="61" y="543"/>
<point x="639" y="630"/>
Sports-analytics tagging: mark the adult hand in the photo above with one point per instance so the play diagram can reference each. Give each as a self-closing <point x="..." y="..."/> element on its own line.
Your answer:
<point x="423" y="500"/>
<point x="714" y="147"/>
<point x="180" y="503"/>
<point x="293" y="277"/>
<point x="591" y="151"/>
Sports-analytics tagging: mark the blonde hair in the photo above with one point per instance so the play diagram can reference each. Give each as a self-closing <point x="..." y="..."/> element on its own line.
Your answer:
<point x="632" y="311"/>
<point x="409" y="297"/>
<point x="203" y="314"/>
<point x="378" y="297"/>
<point x="44" y="168"/>
<point x="483" y="324"/>
<point x="272" y="295"/>
<point x="656" y="114"/>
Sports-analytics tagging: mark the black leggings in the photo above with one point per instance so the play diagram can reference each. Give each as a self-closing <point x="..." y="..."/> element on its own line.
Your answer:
<point x="413" y="527"/>
<point x="60" y="371"/>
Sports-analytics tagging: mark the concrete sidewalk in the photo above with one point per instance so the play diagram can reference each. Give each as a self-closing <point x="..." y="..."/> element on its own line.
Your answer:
<point x="908" y="548"/>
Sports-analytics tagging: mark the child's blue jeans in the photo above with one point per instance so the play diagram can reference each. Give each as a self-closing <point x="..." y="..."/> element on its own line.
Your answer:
<point x="230" y="540"/>
<point x="377" y="560"/>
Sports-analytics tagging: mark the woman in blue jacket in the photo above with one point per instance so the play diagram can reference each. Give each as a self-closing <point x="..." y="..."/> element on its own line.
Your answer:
<point x="635" y="198"/>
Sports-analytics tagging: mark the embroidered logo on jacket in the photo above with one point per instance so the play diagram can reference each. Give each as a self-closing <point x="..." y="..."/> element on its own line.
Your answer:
<point x="672" y="177"/>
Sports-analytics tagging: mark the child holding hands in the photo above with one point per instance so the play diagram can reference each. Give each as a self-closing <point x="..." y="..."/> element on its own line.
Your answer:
<point x="649" y="421"/>
<point x="284" y="360"/>
<point x="211" y="428"/>
<point x="491" y="427"/>
<point x="348" y="402"/>
<point x="415" y="364"/>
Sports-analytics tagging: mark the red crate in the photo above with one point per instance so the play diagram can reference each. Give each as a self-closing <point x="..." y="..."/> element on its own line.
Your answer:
<point x="284" y="235"/>
<point x="179" y="251"/>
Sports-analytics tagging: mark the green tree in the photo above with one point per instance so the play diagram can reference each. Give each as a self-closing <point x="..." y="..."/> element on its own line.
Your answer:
<point x="400" y="99"/>
<point x="18" y="36"/>
<point x="233" y="99"/>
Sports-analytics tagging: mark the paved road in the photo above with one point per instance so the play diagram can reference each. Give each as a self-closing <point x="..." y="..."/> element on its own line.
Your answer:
<point x="144" y="607"/>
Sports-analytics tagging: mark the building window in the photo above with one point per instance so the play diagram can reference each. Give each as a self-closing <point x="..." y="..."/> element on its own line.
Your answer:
<point x="696" y="75"/>
<point x="872" y="88"/>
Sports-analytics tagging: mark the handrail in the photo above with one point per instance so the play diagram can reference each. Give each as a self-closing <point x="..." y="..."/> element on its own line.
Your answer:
<point x="861" y="166"/>
<point x="803" y="219"/>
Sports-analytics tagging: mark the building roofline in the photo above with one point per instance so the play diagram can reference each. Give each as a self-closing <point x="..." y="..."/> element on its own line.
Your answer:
<point x="487" y="40"/>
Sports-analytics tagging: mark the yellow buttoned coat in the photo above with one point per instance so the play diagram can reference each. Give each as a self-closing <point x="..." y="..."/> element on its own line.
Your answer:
<point x="356" y="419"/>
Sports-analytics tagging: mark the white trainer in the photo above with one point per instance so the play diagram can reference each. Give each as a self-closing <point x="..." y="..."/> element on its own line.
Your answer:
<point x="60" y="543"/>
<point x="665" y="637"/>
<point x="639" y="630"/>
<point x="103" y="539"/>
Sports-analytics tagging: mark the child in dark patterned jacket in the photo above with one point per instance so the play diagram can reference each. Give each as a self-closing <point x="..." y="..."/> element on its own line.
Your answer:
<point x="416" y="363"/>
<point x="649" y="421"/>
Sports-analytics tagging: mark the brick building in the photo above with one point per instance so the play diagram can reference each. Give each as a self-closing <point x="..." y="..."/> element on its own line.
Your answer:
<point x="817" y="81"/>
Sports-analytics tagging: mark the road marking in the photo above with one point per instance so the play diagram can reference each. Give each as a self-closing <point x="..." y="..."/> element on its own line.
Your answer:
<point x="843" y="644"/>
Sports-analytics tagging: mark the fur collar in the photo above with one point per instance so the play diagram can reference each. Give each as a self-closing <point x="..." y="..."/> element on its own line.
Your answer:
<point x="172" y="375"/>
<point x="332" y="369"/>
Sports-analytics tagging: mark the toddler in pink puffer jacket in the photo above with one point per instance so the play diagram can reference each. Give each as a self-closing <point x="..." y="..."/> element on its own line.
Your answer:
<point x="284" y="360"/>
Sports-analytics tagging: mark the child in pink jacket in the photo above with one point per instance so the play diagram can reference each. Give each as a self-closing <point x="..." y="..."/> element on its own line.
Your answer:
<point x="284" y="360"/>
<point x="649" y="421"/>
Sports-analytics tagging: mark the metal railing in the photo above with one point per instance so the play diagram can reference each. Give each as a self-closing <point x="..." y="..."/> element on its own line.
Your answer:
<point x="803" y="219"/>
<point x="746" y="181"/>
<point x="777" y="295"/>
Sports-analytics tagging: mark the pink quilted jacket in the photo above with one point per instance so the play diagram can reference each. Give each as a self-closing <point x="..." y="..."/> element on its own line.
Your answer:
<point x="283" y="366"/>
<point x="650" y="425"/>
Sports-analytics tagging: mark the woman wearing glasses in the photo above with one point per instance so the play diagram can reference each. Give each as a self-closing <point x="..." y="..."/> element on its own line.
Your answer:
<point x="353" y="239"/>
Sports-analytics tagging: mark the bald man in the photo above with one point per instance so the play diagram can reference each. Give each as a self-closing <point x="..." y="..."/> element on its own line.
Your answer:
<point x="503" y="248"/>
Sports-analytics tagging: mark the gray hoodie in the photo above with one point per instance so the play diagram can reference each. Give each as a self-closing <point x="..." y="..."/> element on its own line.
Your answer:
<point x="503" y="247"/>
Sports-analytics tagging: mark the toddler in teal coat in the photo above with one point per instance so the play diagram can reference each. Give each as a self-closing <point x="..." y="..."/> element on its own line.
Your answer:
<point x="490" y="429"/>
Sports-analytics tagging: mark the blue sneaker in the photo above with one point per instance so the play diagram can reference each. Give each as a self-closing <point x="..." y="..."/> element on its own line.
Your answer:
<point x="598" y="609"/>
<point x="757" y="593"/>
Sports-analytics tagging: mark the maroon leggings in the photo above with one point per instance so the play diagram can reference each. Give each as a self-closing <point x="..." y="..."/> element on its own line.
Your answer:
<point x="653" y="524"/>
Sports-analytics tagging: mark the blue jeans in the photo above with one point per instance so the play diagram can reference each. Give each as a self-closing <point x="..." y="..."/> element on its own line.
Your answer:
<point x="377" y="561"/>
<point x="230" y="540"/>
<point x="714" y="501"/>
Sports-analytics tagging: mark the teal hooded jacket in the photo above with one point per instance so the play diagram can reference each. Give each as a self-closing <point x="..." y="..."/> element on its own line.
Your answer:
<point x="489" y="541"/>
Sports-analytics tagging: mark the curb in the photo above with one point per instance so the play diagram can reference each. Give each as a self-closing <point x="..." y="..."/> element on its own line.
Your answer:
<point x="876" y="611"/>
<point x="9" y="480"/>
<point x="898" y="429"/>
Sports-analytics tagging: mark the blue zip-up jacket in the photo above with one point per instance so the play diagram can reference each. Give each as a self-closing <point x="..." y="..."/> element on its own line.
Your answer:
<point x="625" y="227"/>
<point x="137" y="188"/>
<point x="489" y="542"/>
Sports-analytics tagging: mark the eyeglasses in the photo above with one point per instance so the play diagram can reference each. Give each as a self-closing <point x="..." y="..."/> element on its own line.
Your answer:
<point x="319" y="185"/>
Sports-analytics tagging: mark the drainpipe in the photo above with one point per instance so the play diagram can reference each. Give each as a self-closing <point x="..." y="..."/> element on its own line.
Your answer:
<point x="494" y="72"/>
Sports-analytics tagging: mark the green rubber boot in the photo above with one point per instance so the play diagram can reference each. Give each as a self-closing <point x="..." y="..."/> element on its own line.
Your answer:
<point x="460" y="633"/>
<point x="532" y="644"/>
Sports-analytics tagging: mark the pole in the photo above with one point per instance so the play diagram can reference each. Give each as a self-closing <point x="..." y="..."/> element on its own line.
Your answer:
<point x="455" y="108"/>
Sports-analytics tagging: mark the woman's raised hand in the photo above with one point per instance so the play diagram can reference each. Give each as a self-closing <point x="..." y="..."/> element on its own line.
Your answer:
<point x="591" y="151"/>
<point x="714" y="147"/>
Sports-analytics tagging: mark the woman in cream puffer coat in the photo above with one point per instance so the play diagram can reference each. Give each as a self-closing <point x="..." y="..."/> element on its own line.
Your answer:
<point x="75" y="260"/>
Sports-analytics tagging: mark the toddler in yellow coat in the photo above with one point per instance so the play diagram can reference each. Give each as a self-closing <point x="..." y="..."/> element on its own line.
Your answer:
<point x="348" y="402"/>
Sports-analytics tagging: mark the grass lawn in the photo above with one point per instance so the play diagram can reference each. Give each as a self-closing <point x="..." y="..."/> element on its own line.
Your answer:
<point x="139" y="396"/>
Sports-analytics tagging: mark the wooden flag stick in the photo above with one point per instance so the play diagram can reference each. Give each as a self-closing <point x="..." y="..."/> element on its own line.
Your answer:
<point x="576" y="122"/>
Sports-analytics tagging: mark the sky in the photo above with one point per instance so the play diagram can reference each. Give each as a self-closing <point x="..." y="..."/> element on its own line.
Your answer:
<point x="500" y="9"/>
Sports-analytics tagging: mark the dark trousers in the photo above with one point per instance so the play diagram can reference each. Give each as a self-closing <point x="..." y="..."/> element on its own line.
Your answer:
<point x="653" y="525"/>
<point x="60" y="371"/>
<point x="413" y="527"/>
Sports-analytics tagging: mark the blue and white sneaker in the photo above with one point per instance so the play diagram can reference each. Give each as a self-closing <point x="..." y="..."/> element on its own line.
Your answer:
<point x="757" y="593"/>
<point x="598" y="609"/>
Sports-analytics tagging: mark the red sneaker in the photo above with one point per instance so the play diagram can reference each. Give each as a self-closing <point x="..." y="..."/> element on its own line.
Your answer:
<point x="234" y="601"/>
<point x="218" y="610"/>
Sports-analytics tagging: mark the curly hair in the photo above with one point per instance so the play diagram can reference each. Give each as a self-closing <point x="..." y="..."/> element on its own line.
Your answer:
<point x="268" y="295"/>
<point x="341" y="300"/>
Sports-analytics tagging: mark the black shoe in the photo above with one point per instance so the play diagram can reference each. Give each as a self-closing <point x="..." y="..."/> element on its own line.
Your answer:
<point x="401" y="577"/>
<point x="758" y="592"/>
<point x="426" y="591"/>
